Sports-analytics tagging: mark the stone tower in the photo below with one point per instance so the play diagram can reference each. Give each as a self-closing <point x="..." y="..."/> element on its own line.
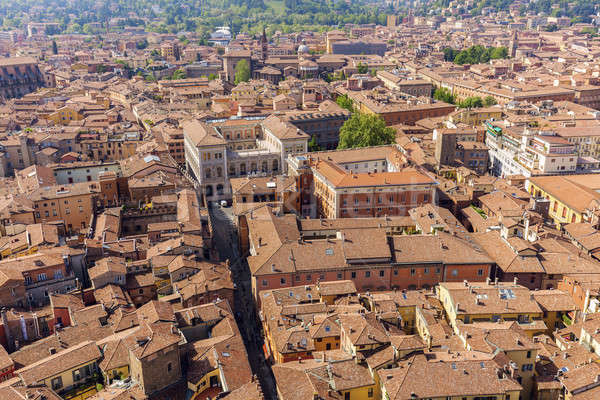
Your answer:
<point x="264" y="45"/>
<point x="513" y="44"/>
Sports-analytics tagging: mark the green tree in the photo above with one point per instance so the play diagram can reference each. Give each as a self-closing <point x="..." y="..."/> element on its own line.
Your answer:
<point x="312" y="145"/>
<point x="462" y="58"/>
<point x="489" y="101"/>
<point x="87" y="29"/>
<point x="498" y="53"/>
<point x="242" y="72"/>
<point x="449" y="54"/>
<point x="471" y="102"/>
<point x="212" y="77"/>
<point x="363" y="130"/>
<point x="74" y="28"/>
<point x="54" y="47"/>
<point x="142" y="44"/>
<point x="551" y="28"/>
<point x="362" y="68"/>
<point x="590" y="31"/>
<point x="345" y="102"/>
<point x="443" y="94"/>
<point x="179" y="74"/>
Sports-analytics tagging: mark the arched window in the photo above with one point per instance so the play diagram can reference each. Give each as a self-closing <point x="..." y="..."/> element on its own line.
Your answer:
<point x="207" y="172"/>
<point x="219" y="172"/>
<point x="219" y="189"/>
<point x="275" y="165"/>
<point x="209" y="190"/>
<point x="265" y="166"/>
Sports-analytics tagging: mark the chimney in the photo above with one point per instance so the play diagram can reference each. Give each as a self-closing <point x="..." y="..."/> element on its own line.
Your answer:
<point x="36" y="326"/>
<point x="7" y="333"/>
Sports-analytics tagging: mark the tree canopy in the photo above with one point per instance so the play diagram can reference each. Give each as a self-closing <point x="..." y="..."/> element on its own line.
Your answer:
<point x="489" y="101"/>
<point x="362" y="68"/>
<point x="242" y="72"/>
<point x="345" y="102"/>
<point x="471" y="102"/>
<point x="443" y="94"/>
<point x="475" y="54"/>
<point x="363" y="130"/>
<point x="179" y="74"/>
<point x="202" y="16"/>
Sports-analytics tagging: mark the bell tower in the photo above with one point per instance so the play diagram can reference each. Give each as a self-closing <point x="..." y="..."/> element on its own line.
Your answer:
<point x="264" y="45"/>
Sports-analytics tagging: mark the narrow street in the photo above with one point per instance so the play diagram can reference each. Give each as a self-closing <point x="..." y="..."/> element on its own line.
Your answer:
<point x="225" y="237"/>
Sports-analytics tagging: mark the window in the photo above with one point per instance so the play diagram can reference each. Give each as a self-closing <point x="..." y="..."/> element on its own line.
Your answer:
<point x="367" y="274"/>
<point x="413" y="271"/>
<point x="396" y="272"/>
<point x="169" y="367"/>
<point x="57" y="383"/>
<point x="353" y="274"/>
<point x="339" y="275"/>
<point x="426" y="270"/>
<point x="382" y="273"/>
<point x="479" y="272"/>
<point x="264" y="283"/>
<point x="282" y="281"/>
<point x="347" y="396"/>
<point x="141" y="291"/>
<point x="529" y="354"/>
<point x="370" y="392"/>
<point x="454" y="272"/>
<point x="438" y="270"/>
<point x="308" y="277"/>
<point x="41" y="277"/>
